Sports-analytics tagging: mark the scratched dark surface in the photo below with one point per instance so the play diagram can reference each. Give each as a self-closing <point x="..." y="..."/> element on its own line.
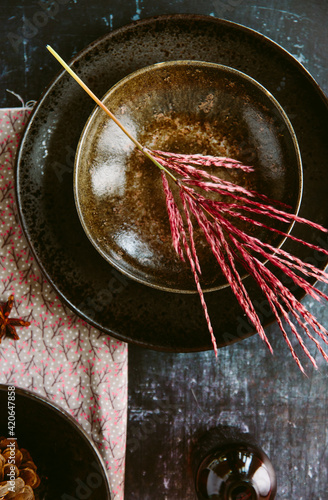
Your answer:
<point x="174" y="397"/>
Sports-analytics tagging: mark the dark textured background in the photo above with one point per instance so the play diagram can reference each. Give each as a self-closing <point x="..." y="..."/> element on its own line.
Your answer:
<point x="173" y="397"/>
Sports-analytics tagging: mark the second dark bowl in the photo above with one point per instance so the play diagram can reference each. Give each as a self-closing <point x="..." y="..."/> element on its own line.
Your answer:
<point x="68" y="463"/>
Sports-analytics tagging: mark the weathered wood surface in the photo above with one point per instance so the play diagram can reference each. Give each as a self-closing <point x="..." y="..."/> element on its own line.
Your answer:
<point x="173" y="397"/>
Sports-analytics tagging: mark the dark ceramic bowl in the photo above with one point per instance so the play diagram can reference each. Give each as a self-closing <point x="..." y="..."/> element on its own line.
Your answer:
<point x="69" y="465"/>
<point x="186" y="107"/>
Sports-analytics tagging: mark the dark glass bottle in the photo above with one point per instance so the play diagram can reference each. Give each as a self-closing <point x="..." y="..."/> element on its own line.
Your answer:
<point x="229" y="465"/>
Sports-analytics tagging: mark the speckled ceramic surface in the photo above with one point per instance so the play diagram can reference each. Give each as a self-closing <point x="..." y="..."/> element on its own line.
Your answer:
<point x="44" y="185"/>
<point x="182" y="107"/>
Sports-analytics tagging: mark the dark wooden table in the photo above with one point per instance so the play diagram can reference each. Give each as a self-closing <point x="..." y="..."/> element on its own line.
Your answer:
<point x="174" y="397"/>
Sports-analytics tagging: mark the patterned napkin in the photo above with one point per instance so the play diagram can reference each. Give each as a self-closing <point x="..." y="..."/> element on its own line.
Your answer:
<point x="59" y="356"/>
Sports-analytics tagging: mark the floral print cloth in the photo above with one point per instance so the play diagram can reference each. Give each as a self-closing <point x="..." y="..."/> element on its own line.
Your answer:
<point x="58" y="356"/>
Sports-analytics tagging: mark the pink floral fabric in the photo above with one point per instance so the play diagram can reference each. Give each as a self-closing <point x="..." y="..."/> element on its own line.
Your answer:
<point x="59" y="356"/>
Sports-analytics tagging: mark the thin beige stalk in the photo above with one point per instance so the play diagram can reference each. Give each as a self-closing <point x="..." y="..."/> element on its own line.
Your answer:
<point x="141" y="148"/>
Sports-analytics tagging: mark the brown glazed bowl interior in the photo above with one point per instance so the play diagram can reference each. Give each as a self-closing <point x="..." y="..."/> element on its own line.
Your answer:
<point x="187" y="107"/>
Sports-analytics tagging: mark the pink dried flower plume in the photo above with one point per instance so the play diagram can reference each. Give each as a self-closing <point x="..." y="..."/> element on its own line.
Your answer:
<point x="231" y="245"/>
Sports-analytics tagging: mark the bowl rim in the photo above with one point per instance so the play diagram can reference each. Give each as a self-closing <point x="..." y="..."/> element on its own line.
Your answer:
<point x="146" y="69"/>
<point x="38" y="398"/>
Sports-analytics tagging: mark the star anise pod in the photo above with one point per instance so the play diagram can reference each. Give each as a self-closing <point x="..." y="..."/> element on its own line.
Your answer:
<point x="8" y="325"/>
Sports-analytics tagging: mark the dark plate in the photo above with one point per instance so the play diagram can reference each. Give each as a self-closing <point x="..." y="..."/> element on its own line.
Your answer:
<point x="66" y="459"/>
<point x="111" y="302"/>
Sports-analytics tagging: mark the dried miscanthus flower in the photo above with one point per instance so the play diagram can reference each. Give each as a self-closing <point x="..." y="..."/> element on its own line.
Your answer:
<point x="230" y="244"/>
